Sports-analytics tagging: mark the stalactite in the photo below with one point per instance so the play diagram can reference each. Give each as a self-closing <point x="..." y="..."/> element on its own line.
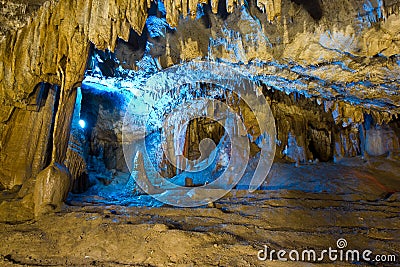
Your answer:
<point x="189" y="7"/>
<point x="214" y="6"/>
<point x="390" y="8"/>
<point x="59" y="37"/>
<point x="271" y="7"/>
<point x="193" y="8"/>
<point x="75" y="161"/>
<point x="172" y="14"/>
<point x="54" y="35"/>
<point x="230" y="4"/>
<point x="184" y="4"/>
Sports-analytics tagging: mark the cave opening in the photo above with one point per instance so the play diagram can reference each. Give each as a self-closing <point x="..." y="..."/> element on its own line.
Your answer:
<point x="310" y="129"/>
<point x="103" y="175"/>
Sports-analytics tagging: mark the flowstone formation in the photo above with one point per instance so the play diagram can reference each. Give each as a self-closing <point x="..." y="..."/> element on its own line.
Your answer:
<point x="329" y="70"/>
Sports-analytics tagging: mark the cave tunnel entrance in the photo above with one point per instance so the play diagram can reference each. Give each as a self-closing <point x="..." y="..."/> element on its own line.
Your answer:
<point x="311" y="134"/>
<point x="96" y="156"/>
<point x="308" y="129"/>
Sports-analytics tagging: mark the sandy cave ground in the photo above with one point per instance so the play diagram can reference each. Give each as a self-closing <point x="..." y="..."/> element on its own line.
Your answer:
<point x="309" y="207"/>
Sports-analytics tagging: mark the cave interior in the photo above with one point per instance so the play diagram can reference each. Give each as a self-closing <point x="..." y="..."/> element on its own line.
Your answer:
<point x="216" y="126"/>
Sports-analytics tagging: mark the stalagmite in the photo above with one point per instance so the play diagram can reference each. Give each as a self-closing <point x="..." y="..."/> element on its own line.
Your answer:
<point x="51" y="189"/>
<point x="138" y="181"/>
<point x="193" y="8"/>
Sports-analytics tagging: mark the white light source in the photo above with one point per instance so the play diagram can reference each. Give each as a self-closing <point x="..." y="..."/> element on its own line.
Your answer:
<point x="82" y="123"/>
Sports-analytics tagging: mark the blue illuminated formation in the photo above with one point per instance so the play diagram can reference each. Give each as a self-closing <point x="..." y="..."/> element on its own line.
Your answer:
<point x="82" y="123"/>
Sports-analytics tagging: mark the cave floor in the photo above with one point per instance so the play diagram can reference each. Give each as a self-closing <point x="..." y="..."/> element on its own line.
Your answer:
<point x="309" y="207"/>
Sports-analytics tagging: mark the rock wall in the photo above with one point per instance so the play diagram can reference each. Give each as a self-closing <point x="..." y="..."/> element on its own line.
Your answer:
<point x="309" y="130"/>
<point x="103" y="113"/>
<point x="15" y="14"/>
<point x="26" y="137"/>
<point x="53" y="47"/>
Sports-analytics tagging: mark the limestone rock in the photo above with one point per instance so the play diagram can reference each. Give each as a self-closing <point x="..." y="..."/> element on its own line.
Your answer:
<point x="24" y="141"/>
<point x="381" y="140"/>
<point x="51" y="188"/>
<point x="76" y="162"/>
<point x="103" y="113"/>
<point x="139" y="182"/>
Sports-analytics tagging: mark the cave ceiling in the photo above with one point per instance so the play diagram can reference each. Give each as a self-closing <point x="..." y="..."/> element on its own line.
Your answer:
<point x="345" y="51"/>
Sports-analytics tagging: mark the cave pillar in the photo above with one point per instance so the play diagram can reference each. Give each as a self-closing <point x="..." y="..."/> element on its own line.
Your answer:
<point x="25" y="137"/>
<point x="54" y="182"/>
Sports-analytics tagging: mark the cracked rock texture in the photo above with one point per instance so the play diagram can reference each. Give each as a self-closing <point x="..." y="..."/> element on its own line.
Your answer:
<point x="301" y="209"/>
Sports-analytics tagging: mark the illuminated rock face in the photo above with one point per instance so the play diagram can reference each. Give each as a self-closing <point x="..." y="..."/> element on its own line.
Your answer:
<point x="326" y="68"/>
